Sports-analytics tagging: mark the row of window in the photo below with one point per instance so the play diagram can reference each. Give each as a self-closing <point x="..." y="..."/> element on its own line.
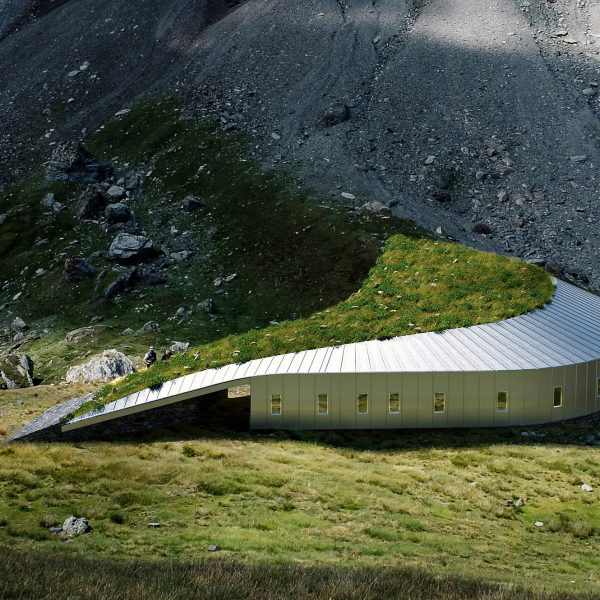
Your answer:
<point x="439" y="402"/>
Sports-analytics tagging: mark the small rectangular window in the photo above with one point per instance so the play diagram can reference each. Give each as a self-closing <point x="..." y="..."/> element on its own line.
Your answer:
<point x="439" y="402"/>
<point x="362" y="406"/>
<point x="276" y="405"/>
<point x="322" y="404"/>
<point x="394" y="403"/>
<point x="558" y="397"/>
<point x="502" y="402"/>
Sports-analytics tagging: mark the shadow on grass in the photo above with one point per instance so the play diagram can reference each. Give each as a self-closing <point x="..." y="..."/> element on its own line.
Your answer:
<point x="33" y="575"/>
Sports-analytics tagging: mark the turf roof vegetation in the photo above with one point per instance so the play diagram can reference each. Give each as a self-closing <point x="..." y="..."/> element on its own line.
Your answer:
<point x="416" y="285"/>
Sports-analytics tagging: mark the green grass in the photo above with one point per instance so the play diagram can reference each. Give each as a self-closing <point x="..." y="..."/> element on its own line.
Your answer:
<point x="434" y="502"/>
<point x="33" y="575"/>
<point x="416" y="285"/>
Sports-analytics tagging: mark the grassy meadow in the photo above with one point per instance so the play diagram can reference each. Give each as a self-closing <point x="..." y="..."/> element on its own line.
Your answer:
<point x="426" y="502"/>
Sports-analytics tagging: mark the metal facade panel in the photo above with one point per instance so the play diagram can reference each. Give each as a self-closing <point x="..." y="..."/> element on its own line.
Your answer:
<point x="517" y="396"/>
<point x="306" y="386"/>
<point x="471" y="399"/>
<point x="347" y="400"/>
<point x="456" y="397"/>
<point x="425" y="400"/>
<point x="293" y="401"/>
<point x="410" y="400"/>
<point x="379" y="402"/>
<point x="581" y="404"/>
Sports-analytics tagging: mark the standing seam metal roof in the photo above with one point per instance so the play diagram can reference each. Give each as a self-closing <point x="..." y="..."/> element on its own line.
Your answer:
<point x="565" y="332"/>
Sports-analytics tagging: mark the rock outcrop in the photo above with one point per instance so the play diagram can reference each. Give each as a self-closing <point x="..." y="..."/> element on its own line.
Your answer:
<point x="127" y="248"/>
<point x="106" y="367"/>
<point x="70" y="161"/>
<point x="16" y="371"/>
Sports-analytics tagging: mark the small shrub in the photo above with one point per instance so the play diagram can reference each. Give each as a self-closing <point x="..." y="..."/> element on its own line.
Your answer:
<point x="189" y="451"/>
<point x="215" y="488"/>
<point x="116" y="518"/>
<point x="3" y="522"/>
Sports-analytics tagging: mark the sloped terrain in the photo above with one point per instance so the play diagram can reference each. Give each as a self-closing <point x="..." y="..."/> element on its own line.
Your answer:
<point x="501" y="96"/>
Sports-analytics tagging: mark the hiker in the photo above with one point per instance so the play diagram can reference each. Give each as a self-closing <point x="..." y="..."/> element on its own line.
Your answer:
<point x="150" y="357"/>
<point x="167" y="355"/>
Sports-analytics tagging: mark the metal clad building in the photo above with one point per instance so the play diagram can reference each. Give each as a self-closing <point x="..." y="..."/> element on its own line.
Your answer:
<point x="535" y="368"/>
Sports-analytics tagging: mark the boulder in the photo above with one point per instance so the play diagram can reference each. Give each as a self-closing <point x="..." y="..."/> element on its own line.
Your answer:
<point x="375" y="207"/>
<point x="117" y="213"/>
<point x="105" y="367"/>
<point x="116" y="192"/>
<point x="177" y="347"/>
<point x="208" y="306"/>
<point x="70" y="161"/>
<point x="77" y="269"/>
<point x="129" y="248"/>
<point x="336" y="113"/>
<point x="481" y="229"/>
<point x="73" y="527"/>
<point x="191" y="203"/>
<point x="181" y="256"/>
<point x="79" y="334"/>
<point x="16" y="371"/>
<point x="151" y="327"/>
<point x="19" y="325"/>
<point x="90" y="204"/>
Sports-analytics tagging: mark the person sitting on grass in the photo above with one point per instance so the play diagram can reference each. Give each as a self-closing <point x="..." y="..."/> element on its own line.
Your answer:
<point x="167" y="355"/>
<point x="150" y="357"/>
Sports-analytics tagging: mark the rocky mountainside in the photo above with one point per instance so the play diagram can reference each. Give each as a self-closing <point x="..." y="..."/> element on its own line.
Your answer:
<point x="476" y="119"/>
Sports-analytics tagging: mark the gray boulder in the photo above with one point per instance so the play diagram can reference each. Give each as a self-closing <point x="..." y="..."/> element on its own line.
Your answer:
<point x="151" y="327"/>
<point x="73" y="527"/>
<point x="335" y="114"/>
<point x="181" y="255"/>
<point x="79" y="334"/>
<point x="117" y="213"/>
<point x="105" y="367"/>
<point x="116" y="192"/>
<point x="177" y="347"/>
<point x="376" y="207"/>
<point x="208" y="306"/>
<point x="190" y="203"/>
<point x="128" y="248"/>
<point x="70" y="161"/>
<point x="19" y="325"/>
<point x="91" y="203"/>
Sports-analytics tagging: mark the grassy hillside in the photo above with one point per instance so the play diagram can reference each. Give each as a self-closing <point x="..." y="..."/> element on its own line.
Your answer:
<point x="292" y="253"/>
<point x="417" y="284"/>
<point x="433" y="501"/>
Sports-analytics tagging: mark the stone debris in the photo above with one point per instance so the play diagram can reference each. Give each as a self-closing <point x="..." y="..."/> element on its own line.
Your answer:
<point x="586" y="488"/>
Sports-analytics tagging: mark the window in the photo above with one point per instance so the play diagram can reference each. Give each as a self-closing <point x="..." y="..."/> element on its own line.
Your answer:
<point x="322" y="404"/>
<point x="439" y="402"/>
<point x="275" y="405"/>
<point x="362" y="406"/>
<point x="502" y="402"/>
<point x="394" y="403"/>
<point x="558" y="397"/>
<point x="598" y="388"/>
